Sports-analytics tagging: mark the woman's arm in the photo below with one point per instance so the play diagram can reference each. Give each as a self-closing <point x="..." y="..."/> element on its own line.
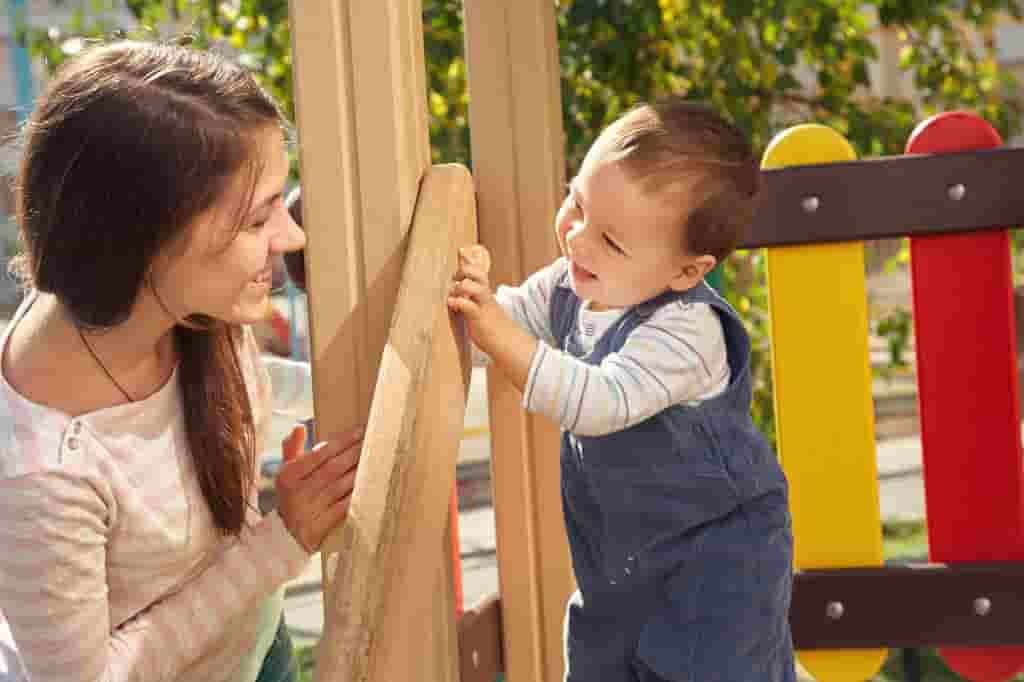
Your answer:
<point x="53" y="587"/>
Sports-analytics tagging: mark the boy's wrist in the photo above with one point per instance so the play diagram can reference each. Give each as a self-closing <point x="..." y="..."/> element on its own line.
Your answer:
<point x="509" y="346"/>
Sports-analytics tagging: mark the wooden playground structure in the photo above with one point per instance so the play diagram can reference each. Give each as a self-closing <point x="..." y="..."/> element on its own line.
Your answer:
<point x="384" y="226"/>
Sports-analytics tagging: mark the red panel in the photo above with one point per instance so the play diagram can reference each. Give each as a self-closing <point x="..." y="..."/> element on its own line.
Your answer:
<point x="967" y="391"/>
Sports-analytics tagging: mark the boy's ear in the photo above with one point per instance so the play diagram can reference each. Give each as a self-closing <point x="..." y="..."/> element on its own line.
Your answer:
<point x="693" y="271"/>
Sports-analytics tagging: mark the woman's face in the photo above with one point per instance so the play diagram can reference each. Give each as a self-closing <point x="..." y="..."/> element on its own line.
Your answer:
<point x="225" y="271"/>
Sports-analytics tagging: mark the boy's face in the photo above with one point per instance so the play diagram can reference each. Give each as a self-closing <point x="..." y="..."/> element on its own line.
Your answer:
<point x="624" y="247"/>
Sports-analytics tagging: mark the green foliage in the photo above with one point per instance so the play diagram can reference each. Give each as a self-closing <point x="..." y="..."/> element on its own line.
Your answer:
<point x="895" y="327"/>
<point x="767" y="64"/>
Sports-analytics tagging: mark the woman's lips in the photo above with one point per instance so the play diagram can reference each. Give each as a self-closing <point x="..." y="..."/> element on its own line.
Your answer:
<point x="264" y="277"/>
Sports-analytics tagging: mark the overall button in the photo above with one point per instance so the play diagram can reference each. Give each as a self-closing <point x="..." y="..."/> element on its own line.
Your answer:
<point x="73" y="443"/>
<point x="76" y="427"/>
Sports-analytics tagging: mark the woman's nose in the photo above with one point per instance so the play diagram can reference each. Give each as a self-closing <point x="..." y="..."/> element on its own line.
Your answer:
<point x="291" y="237"/>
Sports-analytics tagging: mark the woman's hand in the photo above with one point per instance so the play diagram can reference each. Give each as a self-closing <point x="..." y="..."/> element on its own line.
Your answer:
<point x="314" y="488"/>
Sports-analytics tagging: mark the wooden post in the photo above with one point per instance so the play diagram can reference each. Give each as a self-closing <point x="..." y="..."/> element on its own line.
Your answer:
<point x="518" y="165"/>
<point x="360" y="102"/>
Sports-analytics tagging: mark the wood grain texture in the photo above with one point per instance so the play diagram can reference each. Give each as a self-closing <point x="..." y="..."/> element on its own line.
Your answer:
<point x="518" y="165"/>
<point x="384" y="623"/>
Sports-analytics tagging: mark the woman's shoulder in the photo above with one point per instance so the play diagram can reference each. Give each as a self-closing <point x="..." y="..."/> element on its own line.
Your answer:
<point x="34" y="440"/>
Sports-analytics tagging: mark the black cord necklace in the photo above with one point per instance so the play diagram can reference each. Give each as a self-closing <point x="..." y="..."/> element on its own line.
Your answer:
<point x="99" y="362"/>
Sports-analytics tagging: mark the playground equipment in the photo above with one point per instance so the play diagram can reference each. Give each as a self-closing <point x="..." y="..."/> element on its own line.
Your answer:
<point x="383" y="227"/>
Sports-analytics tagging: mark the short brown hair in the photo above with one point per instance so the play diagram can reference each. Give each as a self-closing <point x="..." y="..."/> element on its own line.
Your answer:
<point x="675" y="143"/>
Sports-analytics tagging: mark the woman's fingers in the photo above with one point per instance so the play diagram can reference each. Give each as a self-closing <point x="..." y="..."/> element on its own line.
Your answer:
<point x="305" y="465"/>
<point x="337" y="473"/>
<point x="291" y="447"/>
<point x="314" y="488"/>
<point x="334" y="492"/>
<point x="330" y="518"/>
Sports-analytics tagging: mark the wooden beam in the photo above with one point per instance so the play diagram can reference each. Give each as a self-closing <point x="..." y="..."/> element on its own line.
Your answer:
<point x="894" y="196"/>
<point x="908" y="606"/>
<point x="518" y="165"/>
<point x="360" y="103"/>
<point x="385" y="622"/>
<point x="363" y="149"/>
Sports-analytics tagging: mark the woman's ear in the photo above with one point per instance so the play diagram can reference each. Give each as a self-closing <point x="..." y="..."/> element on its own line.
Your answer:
<point x="692" y="272"/>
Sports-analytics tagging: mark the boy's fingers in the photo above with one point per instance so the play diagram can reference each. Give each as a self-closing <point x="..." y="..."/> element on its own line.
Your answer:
<point x="478" y="255"/>
<point x="468" y="287"/>
<point x="465" y="306"/>
<point x="474" y="273"/>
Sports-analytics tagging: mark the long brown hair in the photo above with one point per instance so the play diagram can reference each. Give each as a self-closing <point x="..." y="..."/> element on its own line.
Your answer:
<point x="129" y="144"/>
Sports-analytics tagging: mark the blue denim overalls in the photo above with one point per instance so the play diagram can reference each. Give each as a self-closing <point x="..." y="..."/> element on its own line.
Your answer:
<point x="679" y="530"/>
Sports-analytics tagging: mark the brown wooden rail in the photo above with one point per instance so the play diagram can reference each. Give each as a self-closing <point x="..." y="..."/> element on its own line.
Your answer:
<point x="890" y="197"/>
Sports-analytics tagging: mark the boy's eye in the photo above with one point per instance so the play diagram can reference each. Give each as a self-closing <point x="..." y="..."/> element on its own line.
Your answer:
<point x="615" y="247"/>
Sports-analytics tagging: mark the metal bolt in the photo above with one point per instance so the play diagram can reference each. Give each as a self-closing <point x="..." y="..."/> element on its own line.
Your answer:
<point x="957" y="192"/>
<point x="834" y="610"/>
<point x="982" y="606"/>
<point x="810" y="204"/>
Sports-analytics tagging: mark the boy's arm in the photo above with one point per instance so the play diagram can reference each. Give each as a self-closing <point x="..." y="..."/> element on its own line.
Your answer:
<point x="677" y="355"/>
<point x="509" y="347"/>
<point x="527" y="304"/>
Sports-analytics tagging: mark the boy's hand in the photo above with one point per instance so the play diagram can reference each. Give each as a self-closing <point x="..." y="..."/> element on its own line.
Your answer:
<point x="492" y="330"/>
<point x="477" y="255"/>
<point x="471" y="295"/>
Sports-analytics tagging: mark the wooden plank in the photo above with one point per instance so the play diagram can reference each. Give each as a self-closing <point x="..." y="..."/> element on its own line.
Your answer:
<point x="968" y="401"/>
<point x="909" y="606"/>
<point x="889" y="197"/>
<point x="383" y="614"/>
<point x="363" y="149"/>
<point x="480" y="656"/>
<point x="819" y="320"/>
<point x="361" y="112"/>
<point x="518" y="161"/>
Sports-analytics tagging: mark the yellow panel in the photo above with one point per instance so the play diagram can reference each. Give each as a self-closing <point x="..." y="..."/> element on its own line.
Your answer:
<point x="823" y="406"/>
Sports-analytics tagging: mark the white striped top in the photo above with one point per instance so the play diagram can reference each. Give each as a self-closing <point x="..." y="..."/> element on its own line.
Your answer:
<point x="677" y="355"/>
<point x="110" y="566"/>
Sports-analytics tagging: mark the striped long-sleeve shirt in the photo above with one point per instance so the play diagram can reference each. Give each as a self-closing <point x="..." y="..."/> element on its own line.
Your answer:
<point x="678" y="355"/>
<point x="111" y="568"/>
